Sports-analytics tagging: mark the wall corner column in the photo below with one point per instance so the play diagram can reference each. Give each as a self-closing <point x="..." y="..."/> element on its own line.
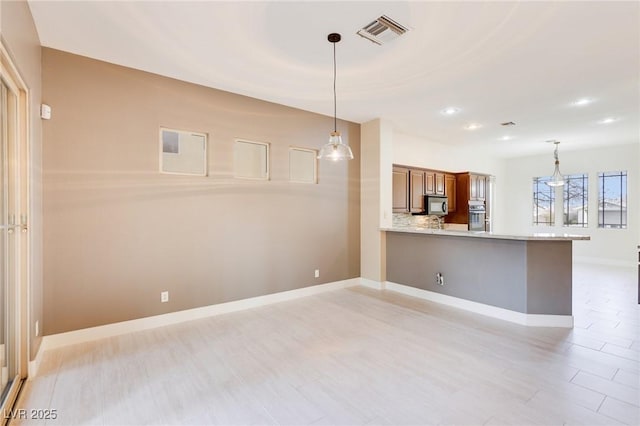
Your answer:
<point x="375" y="196"/>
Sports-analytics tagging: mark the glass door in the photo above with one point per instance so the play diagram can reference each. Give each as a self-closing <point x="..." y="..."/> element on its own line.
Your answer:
<point x="13" y="241"/>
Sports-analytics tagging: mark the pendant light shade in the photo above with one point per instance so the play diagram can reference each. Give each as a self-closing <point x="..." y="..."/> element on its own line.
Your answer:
<point x="556" y="179"/>
<point x="335" y="149"/>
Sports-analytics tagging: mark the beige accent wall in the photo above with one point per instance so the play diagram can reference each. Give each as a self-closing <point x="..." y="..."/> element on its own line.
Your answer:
<point x="117" y="232"/>
<point x="20" y="37"/>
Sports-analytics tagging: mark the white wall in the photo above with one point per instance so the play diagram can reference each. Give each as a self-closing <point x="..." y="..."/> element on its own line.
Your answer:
<point x="375" y="197"/>
<point x="413" y="151"/>
<point x="609" y="246"/>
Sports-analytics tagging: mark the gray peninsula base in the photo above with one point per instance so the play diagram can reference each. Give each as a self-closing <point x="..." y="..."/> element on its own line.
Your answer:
<point x="527" y="276"/>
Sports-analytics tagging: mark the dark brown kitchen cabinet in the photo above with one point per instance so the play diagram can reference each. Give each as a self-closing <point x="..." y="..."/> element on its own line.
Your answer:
<point x="463" y="183"/>
<point x="477" y="187"/>
<point x="469" y="187"/>
<point x="429" y="183"/>
<point x="410" y="184"/>
<point x="450" y="191"/>
<point x="473" y="187"/>
<point x="409" y="189"/>
<point x="439" y="180"/>
<point x="416" y="195"/>
<point x="433" y="183"/>
<point x="482" y="187"/>
<point x="400" y="190"/>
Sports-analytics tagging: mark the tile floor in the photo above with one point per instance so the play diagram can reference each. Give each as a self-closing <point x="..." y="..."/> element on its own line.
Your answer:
<point x="359" y="357"/>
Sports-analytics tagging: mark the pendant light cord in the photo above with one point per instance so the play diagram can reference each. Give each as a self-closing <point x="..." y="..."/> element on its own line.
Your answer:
<point x="335" y="103"/>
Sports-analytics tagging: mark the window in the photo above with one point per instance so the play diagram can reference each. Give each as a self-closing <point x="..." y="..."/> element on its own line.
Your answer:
<point x="576" y="190"/>
<point x="543" y="200"/>
<point x="612" y="200"/>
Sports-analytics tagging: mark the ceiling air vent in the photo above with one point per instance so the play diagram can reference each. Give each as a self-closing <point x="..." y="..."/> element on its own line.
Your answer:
<point x="382" y="30"/>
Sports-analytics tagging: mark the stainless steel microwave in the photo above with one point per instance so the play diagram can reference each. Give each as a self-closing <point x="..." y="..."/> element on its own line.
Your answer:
<point x="436" y="205"/>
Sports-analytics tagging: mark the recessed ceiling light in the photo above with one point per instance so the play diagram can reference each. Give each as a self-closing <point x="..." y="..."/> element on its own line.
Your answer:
<point x="506" y="138"/>
<point x="472" y="126"/>
<point x="608" y="120"/>
<point x="582" y="102"/>
<point x="450" y="111"/>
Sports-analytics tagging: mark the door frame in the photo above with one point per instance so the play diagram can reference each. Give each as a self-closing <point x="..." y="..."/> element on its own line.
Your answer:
<point x="22" y="187"/>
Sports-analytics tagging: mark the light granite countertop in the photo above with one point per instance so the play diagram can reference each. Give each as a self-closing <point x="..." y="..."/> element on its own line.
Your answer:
<point x="491" y="235"/>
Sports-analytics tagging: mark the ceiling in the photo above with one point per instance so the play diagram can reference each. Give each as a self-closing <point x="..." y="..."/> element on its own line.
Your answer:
<point x="525" y="62"/>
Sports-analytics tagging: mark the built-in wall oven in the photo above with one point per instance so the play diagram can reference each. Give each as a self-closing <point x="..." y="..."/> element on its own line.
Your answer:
<point x="477" y="215"/>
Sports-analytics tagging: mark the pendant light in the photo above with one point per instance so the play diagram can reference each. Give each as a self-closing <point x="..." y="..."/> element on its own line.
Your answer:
<point x="335" y="149"/>
<point x="556" y="179"/>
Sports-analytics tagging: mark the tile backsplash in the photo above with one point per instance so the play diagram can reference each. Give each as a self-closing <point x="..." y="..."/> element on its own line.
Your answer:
<point x="406" y="220"/>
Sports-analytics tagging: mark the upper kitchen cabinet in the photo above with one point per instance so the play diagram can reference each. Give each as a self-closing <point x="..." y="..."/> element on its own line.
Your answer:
<point x="440" y="189"/>
<point x="416" y="196"/>
<point x="400" y="190"/>
<point x="430" y="183"/>
<point x="433" y="183"/>
<point x="477" y="187"/>
<point x="408" y="189"/>
<point x="411" y="184"/>
<point x="471" y="186"/>
<point x="450" y="191"/>
<point x="482" y="187"/>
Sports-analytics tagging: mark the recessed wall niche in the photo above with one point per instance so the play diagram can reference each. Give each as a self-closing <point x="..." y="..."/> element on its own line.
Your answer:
<point x="251" y="160"/>
<point x="303" y="165"/>
<point x="183" y="152"/>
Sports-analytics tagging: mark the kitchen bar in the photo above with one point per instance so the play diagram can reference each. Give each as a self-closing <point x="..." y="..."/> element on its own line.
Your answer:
<point x="525" y="279"/>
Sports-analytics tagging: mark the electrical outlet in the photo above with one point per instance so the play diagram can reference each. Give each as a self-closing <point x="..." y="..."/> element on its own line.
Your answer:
<point x="317" y="273"/>
<point x="37" y="328"/>
<point x="164" y="296"/>
<point x="439" y="279"/>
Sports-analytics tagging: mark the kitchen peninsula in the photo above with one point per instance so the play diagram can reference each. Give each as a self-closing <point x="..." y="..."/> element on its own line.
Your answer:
<point x="525" y="279"/>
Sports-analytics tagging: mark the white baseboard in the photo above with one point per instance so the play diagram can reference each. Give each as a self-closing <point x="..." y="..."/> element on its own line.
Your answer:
<point x="376" y="285"/>
<point x="548" y="320"/>
<point x="110" y="330"/>
<point x="532" y="320"/>
<point x="34" y="365"/>
<point x="606" y="262"/>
